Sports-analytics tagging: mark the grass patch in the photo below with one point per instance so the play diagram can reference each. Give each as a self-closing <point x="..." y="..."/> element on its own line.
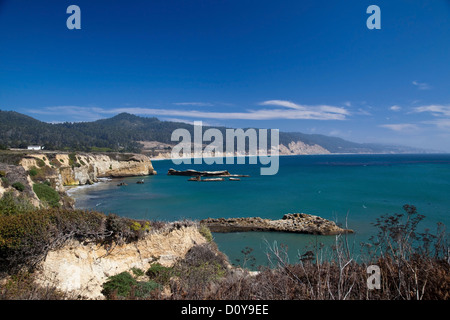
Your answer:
<point x="47" y="194"/>
<point x="18" y="186"/>
<point x="206" y="233"/>
<point x="125" y="286"/>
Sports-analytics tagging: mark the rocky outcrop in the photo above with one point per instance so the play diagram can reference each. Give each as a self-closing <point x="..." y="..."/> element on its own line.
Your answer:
<point x="85" y="168"/>
<point x="299" y="147"/>
<point x="82" y="268"/>
<point x="293" y="222"/>
<point x="59" y="170"/>
<point x="9" y="175"/>
<point x="195" y="173"/>
<point x="190" y="172"/>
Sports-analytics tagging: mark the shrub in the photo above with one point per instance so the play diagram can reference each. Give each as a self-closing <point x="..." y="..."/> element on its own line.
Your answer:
<point x="56" y="163"/>
<point x="18" y="186"/>
<point x="97" y="149"/>
<point x="137" y="272"/>
<point x="47" y="194"/>
<point x="9" y="204"/>
<point x="27" y="234"/>
<point x="138" y="226"/>
<point x="201" y="267"/>
<point x="73" y="161"/>
<point x="81" y="161"/>
<point x="144" y="288"/>
<point x="40" y="163"/>
<point x="125" y="229"/>
<point x="33" y="172"/>
<point x="2" y="173"/>
<point x="206" y="233"/>
<point x="119" y="285"/>
<point x="23" y="239"/>
<point x="22" y="286"/>
<point x="40" y="174"/>
<point x="159" y="273"/>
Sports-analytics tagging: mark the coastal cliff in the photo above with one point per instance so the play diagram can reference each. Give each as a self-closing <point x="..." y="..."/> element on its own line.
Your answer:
<point x="82" y="268"/>
<point x="84" y="168"/>
<point x="162" y="150"/>
<point x="15" y="180"/>
<point x="58" y="170"/>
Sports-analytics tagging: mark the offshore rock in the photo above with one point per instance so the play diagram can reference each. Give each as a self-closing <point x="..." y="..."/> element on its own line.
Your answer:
<point x="292" y="222"/>
<point x="190" y="172"/>
<point x="195" y="173"/>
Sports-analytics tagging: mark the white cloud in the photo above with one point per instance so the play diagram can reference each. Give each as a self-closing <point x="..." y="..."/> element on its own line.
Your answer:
<point x="421" y="85"/>
<point x="440" y="112"/>
<point x="319" y="112"/>
<point x="281" y="109"/>
<point x="264" y="114"/>
<point x="195" y="104"/>
<point x="395" y="108"/>
<point x="435" y="110"/>
<point x="401" y="127"/>
<point x="282" y="103"/>
<point x="363" y="112"/>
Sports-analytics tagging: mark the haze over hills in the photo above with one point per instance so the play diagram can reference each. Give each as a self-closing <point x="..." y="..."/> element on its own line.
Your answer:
<point x="130" y="133"/>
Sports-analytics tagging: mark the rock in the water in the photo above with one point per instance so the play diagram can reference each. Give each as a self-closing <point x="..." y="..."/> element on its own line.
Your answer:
<point x="293" y="222"/>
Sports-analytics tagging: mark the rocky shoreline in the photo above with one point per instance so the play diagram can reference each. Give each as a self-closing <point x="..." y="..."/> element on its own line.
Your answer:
<point x="62" y="171"/>
<point x="292" y="222"/>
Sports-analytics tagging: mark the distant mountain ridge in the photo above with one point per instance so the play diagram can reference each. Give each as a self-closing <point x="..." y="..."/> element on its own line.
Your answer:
<point x="124" y="131"/>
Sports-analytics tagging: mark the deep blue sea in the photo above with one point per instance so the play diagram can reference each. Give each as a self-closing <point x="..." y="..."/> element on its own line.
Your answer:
<point x="352" y="189"/>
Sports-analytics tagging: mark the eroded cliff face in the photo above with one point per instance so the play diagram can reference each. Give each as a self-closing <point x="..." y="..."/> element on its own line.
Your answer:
<point x="71" y="169"/>
<point x="299" y="147"/>
<point x="11" y="174"/>
<point x="81" y="269"/>
<point x="293" y="148"/>
<point x="81" y="168"/>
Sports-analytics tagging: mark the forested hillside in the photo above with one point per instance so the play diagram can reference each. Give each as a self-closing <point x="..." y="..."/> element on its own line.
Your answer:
<point x="123" y="131"/>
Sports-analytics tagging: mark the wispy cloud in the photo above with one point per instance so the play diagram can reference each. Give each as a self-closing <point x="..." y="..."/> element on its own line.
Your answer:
<point x="281" y="110"/>
<point x="435" y="109"/>
<point x="441" y="114"/>
<point x="395" y="108"/>
<point x="421" y="85"/>
<point x="76" y="113"/>
<point x="195" y="104"/>
<point x="319" y="112"/>
<point x="401" y="127"/>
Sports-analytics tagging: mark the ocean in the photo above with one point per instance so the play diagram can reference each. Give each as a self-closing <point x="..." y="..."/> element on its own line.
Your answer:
<point x="352" y="190"/>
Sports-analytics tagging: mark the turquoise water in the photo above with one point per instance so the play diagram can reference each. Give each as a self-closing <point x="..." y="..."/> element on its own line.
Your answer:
<point x="356" y="188"/>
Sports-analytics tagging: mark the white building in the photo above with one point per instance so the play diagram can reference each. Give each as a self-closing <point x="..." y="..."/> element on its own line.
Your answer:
<point x="35" y="147"/>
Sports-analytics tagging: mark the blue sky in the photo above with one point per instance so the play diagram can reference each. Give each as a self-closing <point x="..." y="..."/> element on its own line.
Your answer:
<point x="310" y="66"/>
